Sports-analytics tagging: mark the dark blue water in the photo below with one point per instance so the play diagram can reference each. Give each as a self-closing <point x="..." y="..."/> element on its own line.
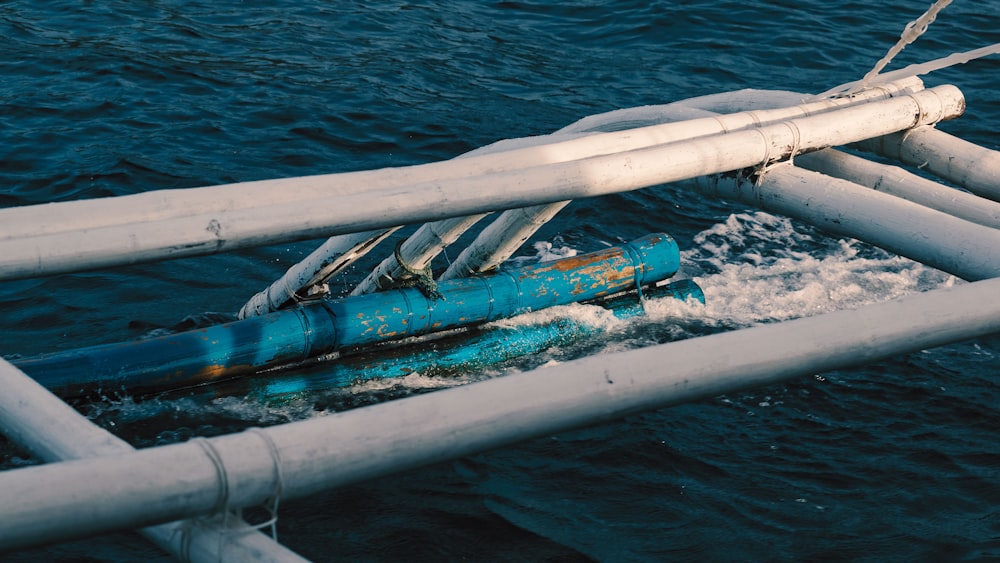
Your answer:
<point x="894" y="461"/>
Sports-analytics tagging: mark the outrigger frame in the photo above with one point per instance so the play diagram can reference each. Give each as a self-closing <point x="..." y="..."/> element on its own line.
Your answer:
<point x="102" y="485"/>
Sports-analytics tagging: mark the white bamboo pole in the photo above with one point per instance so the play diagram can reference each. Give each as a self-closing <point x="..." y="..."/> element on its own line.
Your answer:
<point x="957" y="246"/>
<point x="504" y="236"/>
<point x="83" y="497"/>
<point x="501" y="239"/>
<point x="739" y="101"/>
<point x="966" y="164"/>
<point x="889" y="179"/>
<point x="329" y="258"/>
<point x="40" y="422"/>
<point x="899" y="182"/>
<point x="507" y="233"/>
<point x="69" y="236"/>
<point x="169" y="204"/>
<point x="417" y="251"/>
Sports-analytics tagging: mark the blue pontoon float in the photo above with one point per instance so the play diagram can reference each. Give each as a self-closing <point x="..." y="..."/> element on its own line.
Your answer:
<point x="321" y="327"/>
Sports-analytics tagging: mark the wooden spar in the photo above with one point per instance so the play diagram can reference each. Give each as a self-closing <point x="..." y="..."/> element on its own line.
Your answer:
<point x="896" y="181"/>
<point x="73" y="499"/>
<point x="49" y="428"/>
<point x="966" y="164"/>
<point x="331" y="257"/>
<point x="957" y="246"/>
<point x="298" y="213"/>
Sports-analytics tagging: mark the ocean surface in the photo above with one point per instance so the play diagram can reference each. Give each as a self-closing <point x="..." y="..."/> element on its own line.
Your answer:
<point x="897" y="460"/>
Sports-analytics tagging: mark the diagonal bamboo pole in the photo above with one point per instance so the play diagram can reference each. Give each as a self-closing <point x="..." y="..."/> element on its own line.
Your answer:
<point x="501" y="239"/>
<point x="331" y="257"/>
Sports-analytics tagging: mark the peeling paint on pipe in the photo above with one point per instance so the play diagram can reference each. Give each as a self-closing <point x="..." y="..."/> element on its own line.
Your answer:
<point x="463" y="352"/>
<point x="232" y="349"/>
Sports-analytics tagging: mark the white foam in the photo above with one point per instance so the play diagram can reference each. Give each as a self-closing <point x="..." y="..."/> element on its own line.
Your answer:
<point x="414" y="381"/>
<point x="592" y="316"/>
<point x="760" y="268"/>
<point x="544" y="252"/>
<point x="755" y="268"/>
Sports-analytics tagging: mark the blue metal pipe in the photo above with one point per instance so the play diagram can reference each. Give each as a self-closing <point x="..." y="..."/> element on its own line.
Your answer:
<point x="454" y="355"/>
<point x="288" y="336"/>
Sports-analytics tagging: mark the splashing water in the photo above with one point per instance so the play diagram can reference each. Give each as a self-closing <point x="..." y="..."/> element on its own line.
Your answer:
<point x="758" y="267"/>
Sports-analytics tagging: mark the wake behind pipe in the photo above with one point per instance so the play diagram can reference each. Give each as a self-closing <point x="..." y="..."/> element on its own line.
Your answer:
<point x="288" y="336"/>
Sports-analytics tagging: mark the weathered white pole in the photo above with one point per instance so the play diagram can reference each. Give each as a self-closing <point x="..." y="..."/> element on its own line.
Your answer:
<point x="84" y="497"/>
<point x="966" y="164"/>
<point x="501" y="239"/>
<point x="957" y="246"/>
<point x="40" y="422"/>
<point x="746" y="101"/>
<point x="329" y="258"/>
<point x="507" y="233"/>
<point x="417" y="252"/>
<point x="899" y="182"/>
<point x="144" y="227"/>
<point x="165" y="204"/>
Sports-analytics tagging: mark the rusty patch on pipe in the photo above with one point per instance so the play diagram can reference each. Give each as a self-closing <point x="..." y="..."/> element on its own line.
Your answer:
<point x="583" y="261"/>
<point x="206" y="374"/>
